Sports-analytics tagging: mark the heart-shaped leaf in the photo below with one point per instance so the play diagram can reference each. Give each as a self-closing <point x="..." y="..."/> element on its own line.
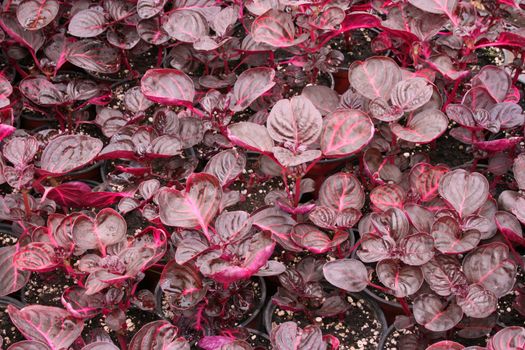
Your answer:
<point x="449" y="238"/>
<point x="20" y="150"/>
<point x="106" y="229"/>
<point x="275" y="28"/>
<point x="345" y="132"/>
<point x="509" y="338"/>
<point x="36" y="14"/>
<point x="194" y="207"/>
<point x="491" y="266"/>
<point x="42" y="92"/>
<point x="315" y="240"/>
<point x="443" y="274"/>
<point x="518" y="169"/>
<point x="402" y="279"/>
<point x="348" y="274"/>
<point x="69" y="152"/>
<point x="32" y="39"/>
<point x="325" y="99"/>
<point x="412" y="93"/>
<point x="50" y="325"/>
<point x="509" y="226"/>
<point x="465" y="192"/>
<point x="461" y="114"/>
<point x="37" y="257"/>
<point x="375" y="77"/>
<point x="434" y="314"/>
<point x="424" y="180"/>
<point x="149" y="8"/>
<point x="94" y="56"/>
<point x="81" y="305"/>
<point x="186" y="26"/>
<point x="478" y="302"/>
<point x="167" y="86"/>
<point x="416" y="249"/>
<point x="226" y="165"/>
<point x="158" y="335"/>
<point x="87" y="23"/>
<point x="495" y="80"/>
<point x="250" y="85"/>
<point x="251" y="136"/>
<point x="342" y="191"/>
<point x="422" y="127"/>
<point x="151" y="31"/>
<point x="388" y="196"/>
<point x="446" y="7"/>
<point x="295" y="122"/>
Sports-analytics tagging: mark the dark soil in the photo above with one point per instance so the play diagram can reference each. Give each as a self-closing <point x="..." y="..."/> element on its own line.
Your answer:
<point x="258" y="341"/>
<point x="507" y="313"/>
<point x="358" y="329"/>
<point x="356" y="47"/>
<point x="449" y="151"/>
<point x="46" y="288"/>
<point x="404" y="338"/>
<point x="6" y="239"/>
<point x="8" y="331"/>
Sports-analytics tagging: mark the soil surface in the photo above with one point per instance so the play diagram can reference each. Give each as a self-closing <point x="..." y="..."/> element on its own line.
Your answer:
<point x="6" y="239"/>
<point x="46" y="288"/>
<point x="358" y="329"/>
<point x="507" y="313"/>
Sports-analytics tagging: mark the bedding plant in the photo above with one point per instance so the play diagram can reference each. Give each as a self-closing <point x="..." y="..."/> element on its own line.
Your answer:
<point x="262" y="174"/>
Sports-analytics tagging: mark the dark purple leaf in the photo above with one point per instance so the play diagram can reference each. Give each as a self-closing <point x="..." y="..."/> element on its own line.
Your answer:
<point x="50" y="325"/>
<point x="402" y="279"/>
<point x="507" y="114"/>
<point x="226" y="166"/>
<point x="6" y="131"/>
<point x="81" y="305"/>
<point x="424" y="180"/>
<point x="182" y="284"/>
<point x="69" y="152"/>
<point x="491" y="266"/>
<point x="32" y="39"/>
<point x="250" y="85"/>
<point x="36" y="14"/>
<point x="123" y="37"/>
<point x="186" y="26"/>
<point x="345" y="132"/>
<point x="42" y="92"/>
<point x="446" y="345"/>
<point x="324" y="99"/>
<point x="158" y="335"/>
<point x="168" y="86"/>
<point x="278" y="223"/>
<point x="100" y="345"/>
<point x="11" y="279"/>
<point x="509" y="226"/>
<point x="350" y="275"/>
<point x="29" y="345"/>
<point x="342" y="191"/>
<point x="498" y="145"/>
<point x="443" y="274"/>
<point x="194" y="207"/>
<point x="416" y="249"/>
<point x="315" y="240"/>
<point x="388" y="196"/>
<point x="37" y="257"/>
<point x="135" y="101"/>
<point x="87" y="23"/>
<point x="289" y="336"/>
<point x="461" y="114"/>
<point x="94" y="55"/>
<point x="412" y="93"/>
<point x="465" y="192"/>
<point x="381" y="110"/>
<point x="449" y="237"/>
<point x="275" y="28"/>
<point x="434" y="314"/>
<point x="151" y="31"/>
<point x="509" y="338"/>
<point x="295" y="122"/>
<point x="149" y="8"/>
<point x="495" y="80"/>
<point x="445" y="7"/>
<point x="106" y="229"/>
<point x="478" y="302"/>
<point x="20" y="150"/>
<point x="287" y="158"/>
<point x="422" y="127"/>
<point x="375" y="78"/>
<point x="251" y="136"/>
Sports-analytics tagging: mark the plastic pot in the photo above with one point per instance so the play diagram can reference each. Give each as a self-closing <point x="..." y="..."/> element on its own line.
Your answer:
<point x="378" y="313"/>
<point x="4" y="301"/>
<point x="245" y="323"/>
<point x="384" y="337"/>
<point x="8" y="228"/>
<point x="341" y="82"/>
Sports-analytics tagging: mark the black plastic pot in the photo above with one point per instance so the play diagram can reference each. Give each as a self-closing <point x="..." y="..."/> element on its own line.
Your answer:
<point x="378" y="313"/>
<point x="8" y="228"/>
<point x="384" y="337"/>
<point x="4" y="301"/>
<point x="245" y="323"/>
